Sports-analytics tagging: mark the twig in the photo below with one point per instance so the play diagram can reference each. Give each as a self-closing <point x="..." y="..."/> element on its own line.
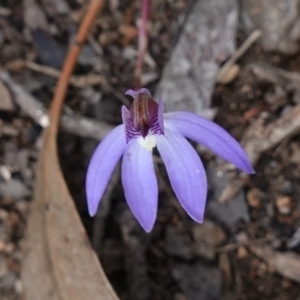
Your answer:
<point x="77" y="81"/>
<point x="286" y="263"/>
<point x="238" y="54"/>
<point x="256" y="142"/>
<point x="77" y="125"/>
<point x="85" y="127"/>
<point x="28" y="104"/>
<point x="69" y="64"/>
<point x="142" y="43"/>
<point x="234" y="246"/>
<point x="288" y="80"/>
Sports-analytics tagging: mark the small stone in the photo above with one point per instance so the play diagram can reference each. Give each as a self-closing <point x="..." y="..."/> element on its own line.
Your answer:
<point x="14" y="189"/>
<point x="18" y="287"/>
<point x="207" y="237"/>
<point x="242" y="252"/>
<point x="242" y="238"/>
<point x="5" y="173"/>
<point x="198" y="281"/>
<point x="286" y="187"/>
<point x="230" y="213"/>
<point x="129" y="53"/>
<point x="178" y="243"/>
<point x="3" y="215"/>
<point x="7" y="282"/>
<point x="2" y="246"/>
<point x="88" y="56"/>
<point x="284" y="205"/>
<point x="253" y="197"/>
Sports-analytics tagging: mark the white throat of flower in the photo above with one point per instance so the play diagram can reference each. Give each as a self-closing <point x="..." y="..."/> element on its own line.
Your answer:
<point x="149" y="142"/>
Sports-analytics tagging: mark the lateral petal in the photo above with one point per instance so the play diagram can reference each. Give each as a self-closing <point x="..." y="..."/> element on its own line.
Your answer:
<point x="186" y="172"/>
<point x="102" y="165"/>
<point x="211" y="135"/>
<point x="140" y="184"/>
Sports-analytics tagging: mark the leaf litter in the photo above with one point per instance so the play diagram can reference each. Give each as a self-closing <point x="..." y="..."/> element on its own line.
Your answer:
<point x="262" y="241"/>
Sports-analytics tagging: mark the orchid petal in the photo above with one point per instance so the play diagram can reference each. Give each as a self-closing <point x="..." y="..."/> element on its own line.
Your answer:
<point x="140" y="184"/>
<point x="211" y="135"/>
<point x="102" y="165"/>
<point x="186" y="172"/>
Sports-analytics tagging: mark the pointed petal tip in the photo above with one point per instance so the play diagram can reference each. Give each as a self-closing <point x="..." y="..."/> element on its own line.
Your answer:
<point x="197" y="217"/>
<point x="92" y="198"/>
<point x="146" y="221"/>
<point x="247" y="167"/>
<point x="92" y="209"/>
<point x="212" y="136"/>
<point x="251" y="171"/>
<point x="93" y="201"/>
<point x="140" y="184"/>
<point x="147" y="227"/>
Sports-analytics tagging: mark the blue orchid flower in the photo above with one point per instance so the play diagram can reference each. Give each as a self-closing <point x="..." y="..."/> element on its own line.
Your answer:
<point x="144" y="127"/>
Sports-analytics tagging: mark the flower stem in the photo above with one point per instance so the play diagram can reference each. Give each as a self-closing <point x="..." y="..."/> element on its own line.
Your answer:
<point x="142" y="43"/>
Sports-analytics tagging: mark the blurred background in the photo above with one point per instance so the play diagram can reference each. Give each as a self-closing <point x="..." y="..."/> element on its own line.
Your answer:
<point x="236" y="62"/>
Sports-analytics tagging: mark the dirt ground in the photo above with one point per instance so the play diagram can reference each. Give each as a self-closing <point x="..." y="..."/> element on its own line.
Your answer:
<point x="249" y="245"/>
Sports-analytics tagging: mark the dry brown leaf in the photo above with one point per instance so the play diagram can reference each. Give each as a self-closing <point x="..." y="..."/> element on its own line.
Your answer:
<point x="59" y="262"/>
<point x="286" y="264"/>
<point x="259" y="138"/>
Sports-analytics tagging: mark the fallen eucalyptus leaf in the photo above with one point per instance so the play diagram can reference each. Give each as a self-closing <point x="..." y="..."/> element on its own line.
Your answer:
<point x="59" y="262"/>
